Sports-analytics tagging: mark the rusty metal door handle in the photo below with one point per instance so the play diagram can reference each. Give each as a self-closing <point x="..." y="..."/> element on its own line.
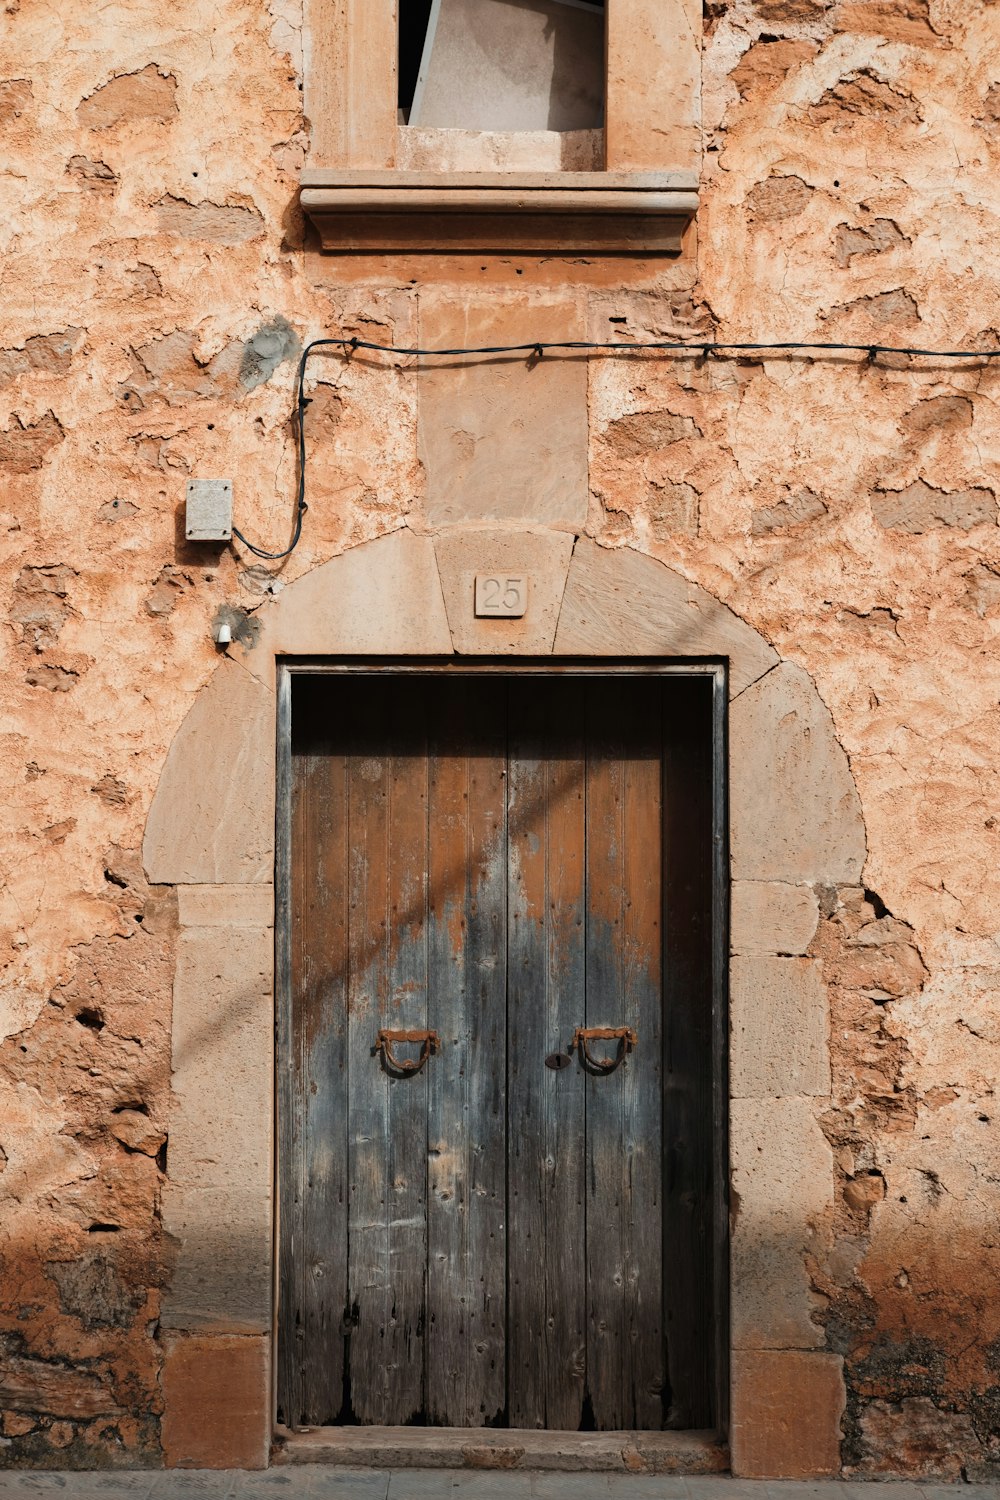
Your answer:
<point x="429" y="1042"/>
<point x="626" y="1036"/>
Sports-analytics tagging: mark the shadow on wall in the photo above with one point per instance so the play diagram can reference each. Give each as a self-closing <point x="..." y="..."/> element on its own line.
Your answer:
<point x="92" y="1399"/>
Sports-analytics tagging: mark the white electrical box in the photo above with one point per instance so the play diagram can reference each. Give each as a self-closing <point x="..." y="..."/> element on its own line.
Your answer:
<point x="209" y="510"/>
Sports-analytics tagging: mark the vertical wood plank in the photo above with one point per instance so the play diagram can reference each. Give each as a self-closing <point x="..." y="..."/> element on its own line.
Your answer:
<point x="486" y="1075"/>
<point x="324" y="1039"/>
<point x="624" y="1272"/>
<point x="406" y="1009"/>
<point x="603" y="1007"/>
<point x="528" y="1043"/>
<point x="642" y="1074"/>
<point x="314" y="1187"/>
<point x="546" y="1321"/>
<point x="370" y="1286"/>
<point x="388" y="1115"/>
<point x="290" y="1102"/>
<point x="447" y="1199"/>
<point x="717" y="1308"/>
<point x="291" y="1134"/>
<point x="466" y="1128"/>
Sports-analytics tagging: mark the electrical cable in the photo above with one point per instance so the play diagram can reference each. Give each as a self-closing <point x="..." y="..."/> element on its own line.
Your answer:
<point x="701" y="348"/>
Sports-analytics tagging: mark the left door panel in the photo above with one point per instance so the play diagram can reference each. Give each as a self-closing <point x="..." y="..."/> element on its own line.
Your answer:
<point x="392" y="1187"/>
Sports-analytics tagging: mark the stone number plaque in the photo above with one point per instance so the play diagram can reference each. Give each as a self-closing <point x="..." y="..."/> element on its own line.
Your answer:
<point x="501" y="594"/>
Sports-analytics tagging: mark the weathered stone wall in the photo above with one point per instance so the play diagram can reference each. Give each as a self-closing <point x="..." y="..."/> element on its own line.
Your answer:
<point x="156" y="291"/>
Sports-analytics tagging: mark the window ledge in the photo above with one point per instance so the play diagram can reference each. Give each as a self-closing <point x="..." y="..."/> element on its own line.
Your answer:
<point x="568" y="213"/>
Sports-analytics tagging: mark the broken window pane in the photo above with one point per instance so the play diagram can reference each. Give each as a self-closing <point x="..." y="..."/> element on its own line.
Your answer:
<point x="502" y="65"/>
<point x="413" y="18"/>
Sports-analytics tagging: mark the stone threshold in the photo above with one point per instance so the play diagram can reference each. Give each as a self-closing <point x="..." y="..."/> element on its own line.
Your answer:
<point x="491" y="1448"/>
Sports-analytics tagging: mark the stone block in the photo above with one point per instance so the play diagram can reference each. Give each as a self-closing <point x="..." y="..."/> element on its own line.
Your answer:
<point x="212" y="818"/>
<point x="779" y="1028"/>
<point x="921" y="507"/>
<point x="503" y="437"/>
<point x="786" y="1413"/>
<point x="35" y="1386"/>
<point x="795" y="814"/>
<point x="220" y="1277"/>
<point x="382" y="598"/>
<point x="782" y="1177"/>
<point x="622" y="603"/>
<point x="914" y="1436"/>
<point x="222" y="1059"/>
<point x="349" y="83"/>
<point x="216" y="1402"/>
<point x="225" y="905"/>
<point x="768" y="916"/>
<point x="542" y="556"/>
<point x="653" y="108"/>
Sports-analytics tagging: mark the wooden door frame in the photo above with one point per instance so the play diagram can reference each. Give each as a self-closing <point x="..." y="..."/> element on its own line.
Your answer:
<point x="609" y="667"/>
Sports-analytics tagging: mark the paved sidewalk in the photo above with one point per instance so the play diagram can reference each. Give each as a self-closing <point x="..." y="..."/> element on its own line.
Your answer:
<point x="318" y="1482"/>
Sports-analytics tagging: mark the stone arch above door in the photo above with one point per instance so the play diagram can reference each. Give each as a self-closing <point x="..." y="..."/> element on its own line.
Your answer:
<point x="795" y="829"/>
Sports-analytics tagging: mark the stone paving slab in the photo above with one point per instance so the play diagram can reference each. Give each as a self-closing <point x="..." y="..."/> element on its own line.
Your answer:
<point x="319" y="1482"/>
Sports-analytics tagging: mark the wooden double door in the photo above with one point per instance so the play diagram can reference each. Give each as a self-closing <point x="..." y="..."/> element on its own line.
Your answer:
<point x="495" y="1194"/>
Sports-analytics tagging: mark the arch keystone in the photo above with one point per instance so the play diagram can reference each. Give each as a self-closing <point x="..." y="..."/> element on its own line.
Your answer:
<point x="542" y="555"/>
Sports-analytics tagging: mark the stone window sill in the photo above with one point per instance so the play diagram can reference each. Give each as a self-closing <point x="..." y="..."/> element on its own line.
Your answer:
<point x="562" y="213"/>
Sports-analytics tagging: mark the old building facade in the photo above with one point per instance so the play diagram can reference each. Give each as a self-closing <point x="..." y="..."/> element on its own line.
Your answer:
<point x="797" y="552"/>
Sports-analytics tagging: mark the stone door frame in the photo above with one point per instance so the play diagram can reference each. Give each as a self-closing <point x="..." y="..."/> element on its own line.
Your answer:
<point x="795" y="829"/>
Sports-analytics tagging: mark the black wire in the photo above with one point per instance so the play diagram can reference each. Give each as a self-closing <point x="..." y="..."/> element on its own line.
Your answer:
<point x="703" y="348"/>
<point x="693" y="347"/>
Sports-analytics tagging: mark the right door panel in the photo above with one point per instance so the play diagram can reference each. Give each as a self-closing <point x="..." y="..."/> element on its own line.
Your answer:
<point x="585" y="1274"/>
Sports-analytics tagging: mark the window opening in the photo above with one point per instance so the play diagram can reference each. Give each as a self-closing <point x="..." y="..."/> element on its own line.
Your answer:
<point x="413" y="18"/>
<point x="502" y="65"/>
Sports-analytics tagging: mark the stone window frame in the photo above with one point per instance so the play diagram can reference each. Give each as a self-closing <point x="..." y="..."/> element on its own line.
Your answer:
<point x="359" y="196"/>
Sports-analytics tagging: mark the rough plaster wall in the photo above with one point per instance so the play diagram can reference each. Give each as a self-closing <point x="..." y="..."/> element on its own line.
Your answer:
<point x="851" y="516"/>
<point x="155" y="289"/>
